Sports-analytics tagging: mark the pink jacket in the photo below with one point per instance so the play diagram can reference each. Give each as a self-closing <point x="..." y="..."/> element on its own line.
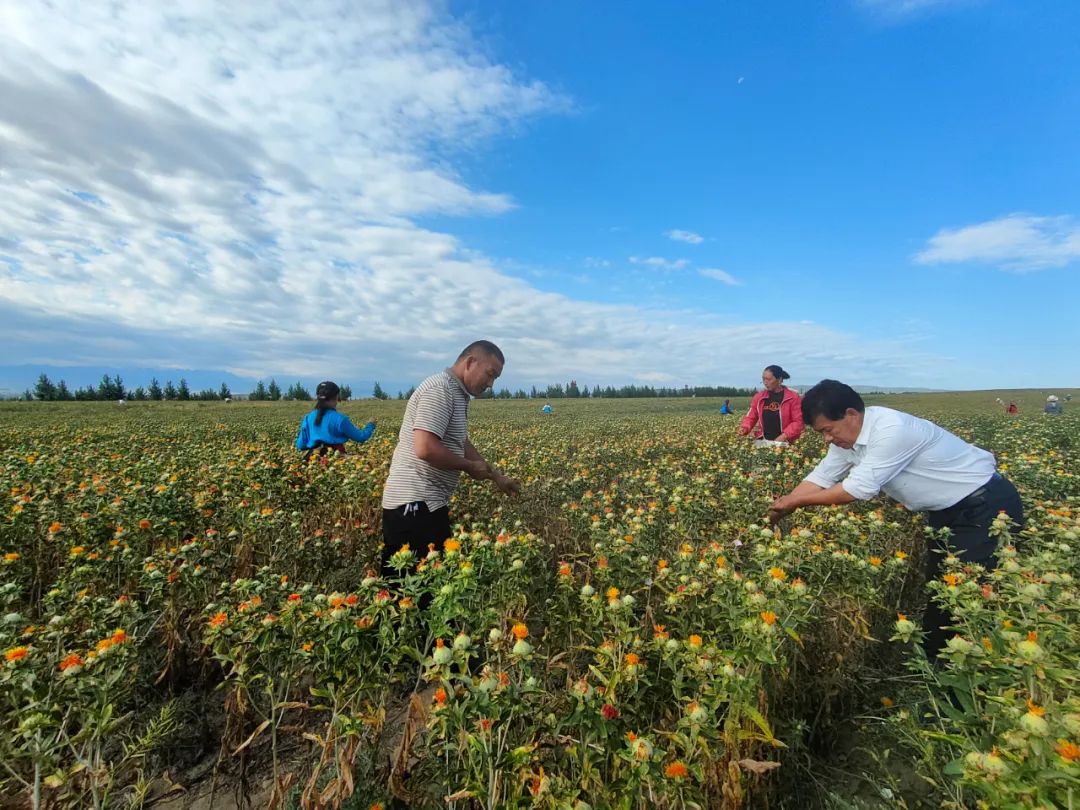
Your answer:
<point x="791" y="421"/>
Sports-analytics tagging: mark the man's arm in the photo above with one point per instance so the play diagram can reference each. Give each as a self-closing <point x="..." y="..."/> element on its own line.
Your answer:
<point x="429" y="448"/>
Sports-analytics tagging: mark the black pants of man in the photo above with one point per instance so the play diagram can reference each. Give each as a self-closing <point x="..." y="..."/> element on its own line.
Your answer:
<point x="969" y="524"/>
<point x="415" y="526"/>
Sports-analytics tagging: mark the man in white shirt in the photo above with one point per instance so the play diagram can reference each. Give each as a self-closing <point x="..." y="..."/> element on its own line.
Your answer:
<point x="912" y="460"/>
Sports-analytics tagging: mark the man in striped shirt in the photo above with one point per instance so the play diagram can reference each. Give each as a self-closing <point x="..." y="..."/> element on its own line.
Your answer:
<point x="434" y="449"/>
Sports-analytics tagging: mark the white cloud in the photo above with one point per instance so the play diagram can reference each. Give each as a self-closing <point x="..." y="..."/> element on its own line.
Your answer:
<point x="594" y="263"/>
<point x="659" y="262"/>
<point x="905" y="8"/>
<point x="236" y="187"/>
<point x="685" y="236"/>
<point x="1019" y="242"/>
<point x="719" y="275"/>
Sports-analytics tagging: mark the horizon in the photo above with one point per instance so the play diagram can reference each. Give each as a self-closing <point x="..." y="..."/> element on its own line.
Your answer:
<point x="870" y="191"/>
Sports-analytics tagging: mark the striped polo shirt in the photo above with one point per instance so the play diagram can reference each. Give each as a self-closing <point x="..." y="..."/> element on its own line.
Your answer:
<point x="440" y="405"/>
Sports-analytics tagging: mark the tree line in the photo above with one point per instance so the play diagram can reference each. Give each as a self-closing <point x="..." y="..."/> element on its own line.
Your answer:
<point x="113" y="389"/>
<point x="572" y="391"/>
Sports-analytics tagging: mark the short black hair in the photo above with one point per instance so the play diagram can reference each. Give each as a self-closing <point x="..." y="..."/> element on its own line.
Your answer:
<point x="483" y="347"/>
<point x="778" y="372"/>
<point x="831" y="399"/>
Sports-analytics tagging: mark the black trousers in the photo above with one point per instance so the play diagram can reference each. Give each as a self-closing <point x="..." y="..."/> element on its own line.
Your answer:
<point x="969" y="523"/>
<point x="415" y="526"/>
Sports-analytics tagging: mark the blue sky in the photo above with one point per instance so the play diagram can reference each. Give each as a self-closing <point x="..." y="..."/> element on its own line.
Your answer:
<point x="882" y="191"/>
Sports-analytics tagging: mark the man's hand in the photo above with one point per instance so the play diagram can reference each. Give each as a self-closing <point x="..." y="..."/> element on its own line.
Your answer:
<point x="781" y="508"/>
<point x="507" y="485"/>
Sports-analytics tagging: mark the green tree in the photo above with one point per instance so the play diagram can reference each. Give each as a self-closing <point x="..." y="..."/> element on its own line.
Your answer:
<point x="182" y="390"/>
<point x="298" y="392"/>
<point x="44" y="389"/>
<point x="170" y="390"/>
<point x="155" y="391"/>
<point x="346" y="393"/>
<point x="62" y="392"/>
<point x="139" y="393"/>
<point x="273" y="392"/>
<point x="259" y="394"/>
<point x="224" y="392"/>
<point x="378" y="392"/>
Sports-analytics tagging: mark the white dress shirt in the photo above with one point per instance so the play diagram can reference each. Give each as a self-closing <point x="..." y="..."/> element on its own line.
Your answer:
<point x="914" y="461"/>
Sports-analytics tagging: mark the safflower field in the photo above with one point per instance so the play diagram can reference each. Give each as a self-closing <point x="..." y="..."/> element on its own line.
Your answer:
<point x="189" y="609"/>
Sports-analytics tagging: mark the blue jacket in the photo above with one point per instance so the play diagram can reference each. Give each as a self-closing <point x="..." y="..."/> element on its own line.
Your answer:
<point x="336" y="428"/>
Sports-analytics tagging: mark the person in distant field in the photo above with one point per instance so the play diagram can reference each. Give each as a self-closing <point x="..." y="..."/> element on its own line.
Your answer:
<point x="324" y="429"/>
<point x="725" y="408"/>
<point x="434" y="449"/>
<point x="546" y="408"/>
<point x="921" y="465"/>
<point x="1012" y="408"/>
<point x="775" y="415"/>
<point x="1052" y="406"/>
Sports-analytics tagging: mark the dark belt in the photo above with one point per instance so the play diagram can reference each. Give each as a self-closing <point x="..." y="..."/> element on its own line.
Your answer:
<point x="968" y="499"/>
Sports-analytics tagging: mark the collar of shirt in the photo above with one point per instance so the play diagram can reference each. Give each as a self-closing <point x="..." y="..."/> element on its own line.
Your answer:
<point x="450" y="373"/>
<point x="864" y="433"/>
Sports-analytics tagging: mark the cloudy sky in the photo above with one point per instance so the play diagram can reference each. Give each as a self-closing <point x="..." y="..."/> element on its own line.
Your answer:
<point x="883" y="191"/>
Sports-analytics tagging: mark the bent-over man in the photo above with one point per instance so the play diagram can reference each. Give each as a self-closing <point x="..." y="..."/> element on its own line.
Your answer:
<point x="916" y="462"/>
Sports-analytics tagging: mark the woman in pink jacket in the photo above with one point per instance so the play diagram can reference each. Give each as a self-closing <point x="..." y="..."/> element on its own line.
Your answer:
<point x="775" y="413"/>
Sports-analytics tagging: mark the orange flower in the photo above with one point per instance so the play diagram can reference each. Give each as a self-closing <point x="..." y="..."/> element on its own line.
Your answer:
<point x="16" y="654"/>
<point x="901" y="555"/>
<point x="406" y="602"/>
<point x="887" y="702"/>
<point x="768" y="617"/>
<point x="295" y="597"/>
<point x="659" y="632"/>
<point x="218" y="619"/>
<point x="144" y="524"/>
<point x="55" y="527"/>
<point x="1038" y="711"/>
<point x="952" y="580"/>
<point x="119" y="636"/>
<point x="1068" y="751"/>
<point x="336" y="601"/>
<point x="520" y="631"/>
<point x="901" y="617"/>
<point x="676" y="770"/>
<point x="661" y="565"/>
<point x="452" y="545"/>
<point x="875" y="561"/>
<point x="602" y="562"/>
<point x="306" y="646"/>
<point x="778" y="573"/>
<point x="440" y="697"/>
<point x="73" y="660"/>
<point x="104" y="644"/>
<point x="351" y="599"/>
<point x="564" y="569"/>
<point x="694" y="641"/>
<point x="632" y="660"/>
<point x="612" y="594"/>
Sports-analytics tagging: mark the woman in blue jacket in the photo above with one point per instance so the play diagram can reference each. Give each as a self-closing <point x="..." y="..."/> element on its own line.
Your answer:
<point x="325" y="428"/>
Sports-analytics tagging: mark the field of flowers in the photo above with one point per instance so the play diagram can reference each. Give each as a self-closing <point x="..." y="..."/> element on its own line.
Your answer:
<point x="183" y="599"/>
